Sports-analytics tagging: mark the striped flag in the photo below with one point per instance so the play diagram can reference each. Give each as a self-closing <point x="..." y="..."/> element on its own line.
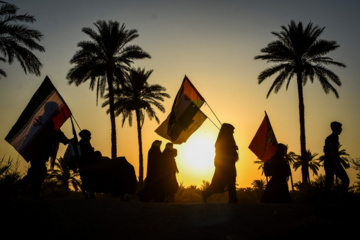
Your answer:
<point x="185" y="117"/>
<point x="45" y="112"/>
<point x="264" y="144"/>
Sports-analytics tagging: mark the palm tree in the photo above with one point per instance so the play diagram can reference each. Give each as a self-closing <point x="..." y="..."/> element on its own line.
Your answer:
<point x="17" y="40"/>
<point x="135" y="94"/>
<point x="63" y="175"/>
<point x="300" y="53"/>
<point x="314" y="164"/>
<point x="259" y="184"/>
<point x="107" y="55"/>
<point x="261" y="166"/>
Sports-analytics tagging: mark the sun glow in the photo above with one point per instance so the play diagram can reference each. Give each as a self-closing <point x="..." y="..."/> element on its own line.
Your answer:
<point x="198" y="154"/>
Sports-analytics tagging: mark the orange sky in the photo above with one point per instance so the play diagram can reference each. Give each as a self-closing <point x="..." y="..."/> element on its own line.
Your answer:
<point x="214" y="44"/>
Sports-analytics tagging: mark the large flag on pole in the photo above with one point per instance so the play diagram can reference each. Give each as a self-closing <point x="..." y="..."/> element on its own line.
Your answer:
<point x="45" y="109"/>
<point x="264" y="143"/>
<point x="185" y="117"/>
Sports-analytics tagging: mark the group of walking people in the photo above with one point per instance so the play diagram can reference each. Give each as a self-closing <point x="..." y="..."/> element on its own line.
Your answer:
<point x="160" y="183"/>
<point x="278" y="168"/>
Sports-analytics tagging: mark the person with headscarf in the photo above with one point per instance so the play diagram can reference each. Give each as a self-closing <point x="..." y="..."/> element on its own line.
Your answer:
<point x="277" y="190"/>
<point x="226" y="156"/>
<point x="170" y="184"/>
<point x="152" y="189"/>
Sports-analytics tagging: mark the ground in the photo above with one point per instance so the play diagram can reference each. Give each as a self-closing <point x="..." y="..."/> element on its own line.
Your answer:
<point x="112" y="218"/>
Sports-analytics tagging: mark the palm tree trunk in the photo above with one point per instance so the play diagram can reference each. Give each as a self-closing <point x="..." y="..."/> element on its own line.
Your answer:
<point x="110" y="80"/>
<point x="305" y="168"/>
<point x="141" y="161"/>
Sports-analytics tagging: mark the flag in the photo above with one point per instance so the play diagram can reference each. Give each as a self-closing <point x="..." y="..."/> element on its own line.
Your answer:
<point x="185" y="117"/>
<point x="46" y="110"/>
<point x="264" y="143"/>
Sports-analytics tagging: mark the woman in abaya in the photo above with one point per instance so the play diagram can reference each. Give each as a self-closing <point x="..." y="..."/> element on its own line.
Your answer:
<point x="226" y="156"/>
<point x="170" y="184"/>
<point x="152" y="187"/>
<point x="277" y="190"/>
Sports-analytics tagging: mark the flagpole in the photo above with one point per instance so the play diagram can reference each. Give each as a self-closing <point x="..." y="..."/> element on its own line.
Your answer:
<point x="214" y="123"/>
<point x="213" y="113"/>
<point x="73" y="129"/>
<point x="72" y="117"/>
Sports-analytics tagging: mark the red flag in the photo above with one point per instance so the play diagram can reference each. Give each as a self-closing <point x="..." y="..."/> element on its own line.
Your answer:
<point x="264" y="143"/>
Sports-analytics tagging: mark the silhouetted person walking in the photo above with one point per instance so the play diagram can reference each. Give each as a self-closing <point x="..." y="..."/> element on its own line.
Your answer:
<point x="169" y="181"/>
<point x="277" y="190"/>
<point x="50" y="139"/>
<point x="226" y="156"/>
<point x="153" y="189"/>
<point x="333" y="163"/>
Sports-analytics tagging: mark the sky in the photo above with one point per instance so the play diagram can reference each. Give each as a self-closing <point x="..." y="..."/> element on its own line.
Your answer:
<point x="214" y="44"/>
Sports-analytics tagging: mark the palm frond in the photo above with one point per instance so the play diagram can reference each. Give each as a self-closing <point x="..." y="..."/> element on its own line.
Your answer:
<point x="298" y="50"/>
<point x="17" y="41"/>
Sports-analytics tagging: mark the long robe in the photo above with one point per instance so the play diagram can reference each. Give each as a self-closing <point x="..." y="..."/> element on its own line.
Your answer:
<point x="226" y="155"/>
<point x="152" y="189"/>
<point x="170" y="184"/>
<point x="277" y="190"/>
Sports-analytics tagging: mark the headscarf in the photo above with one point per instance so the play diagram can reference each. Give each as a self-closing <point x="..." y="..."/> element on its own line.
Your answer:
<point x="225" y="143"/>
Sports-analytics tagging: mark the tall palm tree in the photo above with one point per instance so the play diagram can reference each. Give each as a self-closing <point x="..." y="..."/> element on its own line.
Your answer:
<point x="136" y="94"/>
<point x="314" y="164"/>
<point x="299" y="53"/>
<point x="17" y="41"/>
<point x="107" y="55"/>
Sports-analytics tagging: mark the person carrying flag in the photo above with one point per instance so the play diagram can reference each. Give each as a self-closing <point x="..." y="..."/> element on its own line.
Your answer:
<point x="36" y="134"/>
<point x="47" y="147"/>
<point x="277" y="190"/>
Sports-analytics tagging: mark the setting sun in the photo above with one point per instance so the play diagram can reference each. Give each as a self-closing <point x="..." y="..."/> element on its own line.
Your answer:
<point x="198" y="155"/>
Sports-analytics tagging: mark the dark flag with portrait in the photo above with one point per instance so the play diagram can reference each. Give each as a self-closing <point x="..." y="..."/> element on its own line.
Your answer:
<point x="46" y="112"/>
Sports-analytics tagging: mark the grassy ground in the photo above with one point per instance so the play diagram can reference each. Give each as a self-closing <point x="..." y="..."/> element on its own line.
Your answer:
<point x="111" y="218"/>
